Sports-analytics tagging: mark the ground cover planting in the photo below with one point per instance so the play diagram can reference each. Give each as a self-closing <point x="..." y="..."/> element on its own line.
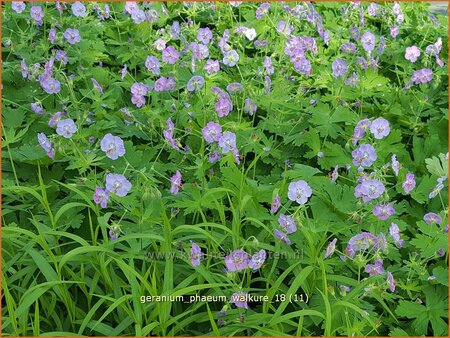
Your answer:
<point x="224" y="169"/>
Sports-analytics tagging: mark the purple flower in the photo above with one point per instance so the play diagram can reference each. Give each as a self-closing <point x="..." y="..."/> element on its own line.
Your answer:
<point x="303" y="66"/>
<point x="394" y="232"/>
<point x="364" y="155"/>
<point x="37" y="14"/>
<point x="212" y="132"/>
<point x="52" y="35"/>
<point x="339" y="67"/>
<point x="412" y="53"/>
<point x="138" y="16"/>
<point x="55" y="119"/>
<point x="61" y="56"/>
<point x="249" y="106"/>
<point x="18" y="6"/>
<point x="101" y="197"/>
<point x="138" y="100"/>
<point x="257" y="260"/>
<point x="267" y="84"/>
<point x="330" y="248"/>
<point x="50" y="85"/>
<point x="262" y="10"/>
<point x="204" y="35"/>
<point x="275" y="204"/>
<point x="372" y="10"/>
<point x="432" y="218"/>
<point x="212" y="66"/>
<point x="284" y="28"/>
<point x="36" y="107"/>
<point x="240" y="299"/>
<point x="195" y="255"/>
<point x="352" y="80"/>
<point x="234" y="88"/>
<point x="139" y="89"/>
<point x="354" y="33"/>
<point x="236" y="260"/>
<point x="170" y="55"/>
<point x="348" y="48"/>
<point x="375" y="269"/>
<point x="175" y="183"/>
<point x="380" y="128"/>
<point x="78" y="9"/>
<point x="281" y="235"/>
<point x="199" y="51"/>
<point x="72" y="35"/>
<point x="287" y="223"/>
<point x="361" y="242"/>
<point x="360" y="130"/>
<point x="299" y="191"/>
<point x="153" y="65"/>
<point x="175" y="30"/>
<point x="223" y="106"/>
<point x="268" y="65"/>
<point x="335" y="174"/>
<point x="368" y="41"/>
<point x="45" y="144"/>
<point x="195" y="83"/>
<point x="214" y="157"/>
<point x="409" y="183"/>
<point x="66" y="128"/>
<point x="394" y="31"/>
<point x="117" y="184"/>
<point x="227" y="142"/>
<point x="230" y="58"/>
<point x="97" y="85"/>
<point x="391" y="282"/>
<point x="113" y="146"/>
<point x="395" y="164"/>
<point x="369" y="189"/>
<point x="383" y="212"/>
<point x="424" y="75"/>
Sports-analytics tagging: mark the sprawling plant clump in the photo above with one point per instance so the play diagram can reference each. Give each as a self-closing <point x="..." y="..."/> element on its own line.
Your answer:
<point x="224" y="169"/>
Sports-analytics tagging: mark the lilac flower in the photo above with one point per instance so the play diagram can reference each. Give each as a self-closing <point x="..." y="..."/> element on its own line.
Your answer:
<point x="432" y="218"/>
<point x="335" y="174"/>
<point x="195" y="255"/>
<point x="434" y="49"/>
<point x="175" y="30"/>
<point x="352" y="80"/>
<point x="139" y="89"/>
<point x="204" y="35"/>
<point x="227" y="142"/>
<point x="303" y="66"/>
<point x="170" y="55"/>
<point x="240" y="299"/>
<point x="195" y="83"/>
<point x="361" y="242"/>
<point x="37" y="14"/>
<point x="152" y="15"/>
<point x="199" y="51"/>
<point x="394" y="31"/>
<point x="372" y="10"/>
<point x="212" y="132"/>
<point x="409" y="183"/>
<point x="234" y="88"/>
<point x="412" y="53"/>
<point x="50" y="85"/>
<point x="268" y="65"/>
<point x="236" y="260"/>
<point x="287" y="223"/>
<point x="348" y="48"/>
<point x="45" y="144"/>
<point x="113" y="146"/>
<point x="52" y="35"/>
<point x="160" y="44"/>
<point x="395" y="164"/>
<point x="66" y="128"/>
<point x="383" y="212"/>
<point x="354" y="33"/>
<point x="117" y="184"/>
<point x="230" y="58"/>
<point x="260" y="43"/>
<point x="214" y="157"/>
<point x="284" y="28"/>
<point x="394" y="232"/>
<point x="368" y="41"/>
<point x="138" y="100"/>
<point x="101" y="197"/>
<point x="391" y="282"/>
<point x="18" y="6"/>
<point x="364" y="155"/>
<point x="299" y="191"/>
<point x="23" y="68"/>
<point x="55" y="119"/>
<point x="176" y="183"/>
<point x="282" y="236"/>
<point x="375" y="269"/>
<point x="262" y="10"/>
<point x="257" y="260"/>
<point x="72" y="35"/>
<point x="78" y="9"/>
<point x="223" y="106"/>
<point x="424" y="75"/>
<point x="61" y="56"/>
<point x="97" y="85"/>
<point x="212" y="66"/>
<point x="369" y="189"/>
<point x="267" y="84"/>
<point x="153" y="65"/>
<point x="339" y="67"/>
<point x="275" y="204"/>
<point x="330" y="248"/>
<point x="380" y="128"/>
<point x="36" y="107"/>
